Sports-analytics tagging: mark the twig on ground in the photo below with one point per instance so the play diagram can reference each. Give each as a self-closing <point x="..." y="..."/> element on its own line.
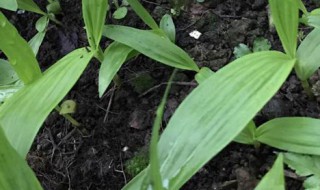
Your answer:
<point x="150" y="2"/>
<point x="122" y="170"/>
<point x="165" y="83"/>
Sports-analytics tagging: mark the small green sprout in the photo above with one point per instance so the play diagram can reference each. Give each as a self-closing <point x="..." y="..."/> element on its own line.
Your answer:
<point x="121" y="11"/>
<point x="259" y="44"/>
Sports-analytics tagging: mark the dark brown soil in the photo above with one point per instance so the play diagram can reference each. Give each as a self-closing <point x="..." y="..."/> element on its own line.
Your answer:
<point x="64" y="158"/>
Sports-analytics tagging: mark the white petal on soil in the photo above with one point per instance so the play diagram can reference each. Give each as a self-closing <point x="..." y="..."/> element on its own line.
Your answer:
<point x="195" y="34"/>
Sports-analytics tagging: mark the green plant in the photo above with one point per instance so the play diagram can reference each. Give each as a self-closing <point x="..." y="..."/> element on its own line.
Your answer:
<point x="305" y="166"/>
<point x="29" y="106"/>
<point x="53" y="8"/>
<point x="202" y="126"/>
<point x="274" y="179"/>
<point x="211" y="116"/>
<point x="121" y="11"/>
<point x="14" y="170"/>
<point x="259" y="44"/>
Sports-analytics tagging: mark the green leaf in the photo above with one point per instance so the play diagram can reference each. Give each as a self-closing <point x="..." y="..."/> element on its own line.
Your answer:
<point x="42" y="23"/>
<point x="22" y="115"/>
<point x="295" y="134"/>
<point x="143" y="14"/>
<point x="307" y="166"/>
<point x="30" y="5"/>
<point x="152" y="45"/>
<point x="203" y="74"/>
<point x="120" y="13"/>
<point x="167" y="25"/>
<point x="8" y="75"/>
<point x="312" y="183"/>
<point x="14" y="170"/>
<point x="54" y="7"/>
<point x="314" y="20"/>
<point x="241" y="50"/>
<point x="261" y="44"/>
<point x="248" y="135"/>
<point x="23" y="61"/>
<point x="274" y="179"/>
<point x="301" y="6"/>
<point x="68" y="107"/>
<point x="8" y="90"/>
<point x="215" y="112"/>
<point x="114" y="57"/>
<point x="36" y="42"/>
<point x="11" y="5"/>
<point x="285" y="14"/>
<point x="308" y="55"/>
<point x="94" y="15"/>
<point x="155" y="175"/>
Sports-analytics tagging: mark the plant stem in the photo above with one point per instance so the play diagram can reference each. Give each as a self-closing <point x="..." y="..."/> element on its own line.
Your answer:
<point x="53" y="19"/>
<point x="99" y="55"/>
<point x="74" y="122"/>
<point x="116" y="3"/>
<point x="307" y="88"/>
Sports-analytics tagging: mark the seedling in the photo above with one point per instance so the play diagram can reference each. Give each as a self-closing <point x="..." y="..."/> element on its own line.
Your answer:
<point x="178" y="5"/>
<point x="259" y="44"/>
<point x="121" y="11"/>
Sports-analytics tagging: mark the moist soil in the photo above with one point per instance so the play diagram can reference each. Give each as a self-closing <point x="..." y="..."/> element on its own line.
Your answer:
<point x="118" y="125"/>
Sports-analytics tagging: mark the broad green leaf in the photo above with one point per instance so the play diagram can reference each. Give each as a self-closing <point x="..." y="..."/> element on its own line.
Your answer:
<point x="8" y="90"/>
<point x="203" y="74"/>
<point x="167" y="25"/>
<point x="295" y="134"/>
<point x="248" y="135"/>
<point x="274" y="179"/>
<point x="114" y="57"/>
<point x="14" y="170"/>
<point x="152" y="45"/>
<point x="120" y="13"/>
<point x="11" y="5"/>
<point x="30" y="5"/>
<point x="94" y="15"/>
<point x="22" y="115"/>
<point x="143" y="14"/>
<point x="7" y="75"/>
<point x="306" y="166"/>
<point x="215" y="112"/>
<point x="285" y="14"/>
<point x="23" y="61"/>
<point x="308" y="55"/>
<point x="241" y="50"/>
